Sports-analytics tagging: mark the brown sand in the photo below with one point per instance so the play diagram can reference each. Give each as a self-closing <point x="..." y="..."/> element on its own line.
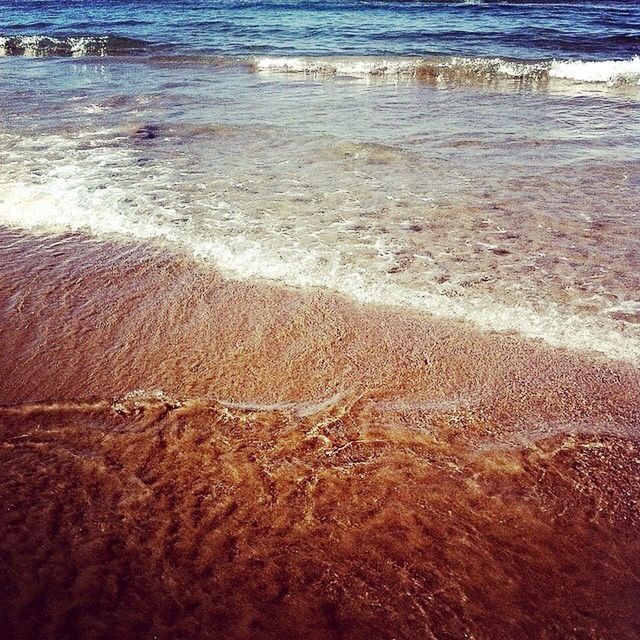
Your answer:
<point x="310" y="468"/>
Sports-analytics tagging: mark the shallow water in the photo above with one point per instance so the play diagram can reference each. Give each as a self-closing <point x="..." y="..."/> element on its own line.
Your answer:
<point x="513" y="206"/>
<point x="387" y="152"/>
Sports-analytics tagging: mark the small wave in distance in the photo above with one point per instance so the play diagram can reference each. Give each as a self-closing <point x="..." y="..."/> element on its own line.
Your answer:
<point x="426" y="68"/>
<point x="43" y="46"/>
<point x="601" y="71"/>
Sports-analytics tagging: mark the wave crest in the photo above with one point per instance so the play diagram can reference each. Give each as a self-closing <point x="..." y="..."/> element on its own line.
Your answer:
<point x="604" y="71"/>
<point x="39" y="46"/>
<point x="433" y="68"/>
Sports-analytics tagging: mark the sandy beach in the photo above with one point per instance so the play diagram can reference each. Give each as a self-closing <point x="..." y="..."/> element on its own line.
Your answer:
<point x="188" y="456"/>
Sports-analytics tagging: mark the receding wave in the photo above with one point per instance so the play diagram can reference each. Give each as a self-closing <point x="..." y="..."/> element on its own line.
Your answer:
<point x="69" y="202"/>
<point x="41" y="46"/>
<point x="452" y="68"/>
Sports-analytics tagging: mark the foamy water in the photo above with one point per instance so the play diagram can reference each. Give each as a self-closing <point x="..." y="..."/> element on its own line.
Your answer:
<point x="249" y="229"/>
<point x="601" y="71"/>
<point x="40" y="46"/>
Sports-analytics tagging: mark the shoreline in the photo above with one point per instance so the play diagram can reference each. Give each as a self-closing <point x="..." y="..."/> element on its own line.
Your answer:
<point x="113" y="285"/>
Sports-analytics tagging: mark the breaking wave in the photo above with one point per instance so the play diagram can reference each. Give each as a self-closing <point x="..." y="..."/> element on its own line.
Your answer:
<point x="421" y="68"/>
<point x="67" y="200"/>
<point x="603" y="71"/>
<point x="41" y="46"/>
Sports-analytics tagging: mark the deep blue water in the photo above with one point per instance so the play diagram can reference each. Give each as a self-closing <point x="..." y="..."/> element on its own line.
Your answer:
<point x="521" y="30"/>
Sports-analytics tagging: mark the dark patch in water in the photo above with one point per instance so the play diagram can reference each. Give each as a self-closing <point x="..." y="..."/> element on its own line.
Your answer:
<point x="147" y="132"/>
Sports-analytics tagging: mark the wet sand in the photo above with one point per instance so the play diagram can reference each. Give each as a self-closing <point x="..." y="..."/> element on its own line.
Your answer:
<point x="188" y="457"/>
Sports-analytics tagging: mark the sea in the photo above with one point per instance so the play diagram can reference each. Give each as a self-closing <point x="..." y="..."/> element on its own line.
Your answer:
<point x="478" y="161"/>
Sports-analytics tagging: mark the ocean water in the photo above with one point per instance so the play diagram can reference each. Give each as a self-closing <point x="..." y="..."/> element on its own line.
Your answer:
<point x="478" y="161"/>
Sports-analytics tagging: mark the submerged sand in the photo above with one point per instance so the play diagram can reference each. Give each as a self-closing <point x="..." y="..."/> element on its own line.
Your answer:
<point x="188" y="457"/>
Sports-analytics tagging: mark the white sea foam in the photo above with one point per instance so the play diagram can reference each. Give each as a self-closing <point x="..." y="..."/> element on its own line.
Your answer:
<point x="38" y="46"/>
<point x="605" y="71"/>
<point x="610" y="71"/>
<point x="601" y="71"/>
<point x="72" y="196"/>
<point x="340" y="66"/>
